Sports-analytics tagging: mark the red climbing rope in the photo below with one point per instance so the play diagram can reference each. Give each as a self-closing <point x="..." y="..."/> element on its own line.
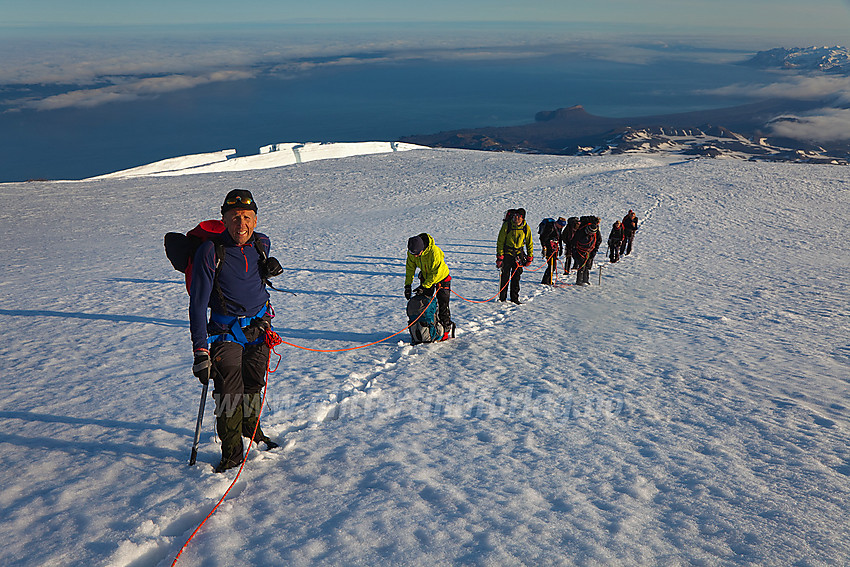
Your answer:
<point x="272" y="339"/>
<point x="369" y="344"/>
<point x="486" y="300"/>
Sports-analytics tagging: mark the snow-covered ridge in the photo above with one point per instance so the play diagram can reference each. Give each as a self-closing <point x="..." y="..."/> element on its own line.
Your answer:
<point x="835" y="59"/>
<point x="273" y="155"/>
<point x="711" y="141"/>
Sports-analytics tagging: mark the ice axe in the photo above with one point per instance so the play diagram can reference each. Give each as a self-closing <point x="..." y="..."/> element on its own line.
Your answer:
<point x="193" y="457"/>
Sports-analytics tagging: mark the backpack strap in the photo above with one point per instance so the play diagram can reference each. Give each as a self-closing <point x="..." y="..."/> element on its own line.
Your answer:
<point x="225" y="303"/>
<point x="258" y="244"/>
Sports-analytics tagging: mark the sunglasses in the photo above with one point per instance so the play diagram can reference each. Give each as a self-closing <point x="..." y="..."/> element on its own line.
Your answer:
<point x="238" y="199"/>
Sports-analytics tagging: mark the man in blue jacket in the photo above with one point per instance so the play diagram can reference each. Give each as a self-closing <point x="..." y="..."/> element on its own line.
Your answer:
<point x="229" y="346"/>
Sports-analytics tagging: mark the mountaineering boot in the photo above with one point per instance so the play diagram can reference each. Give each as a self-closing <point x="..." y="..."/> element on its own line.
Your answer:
<point x="229" y="431"/>
<point x="516" y="300"/>
<point x="227" y="464"/>
<point x="251" y="412"/>
<point x="449" y="331"/>
<point x="260" y="437"/>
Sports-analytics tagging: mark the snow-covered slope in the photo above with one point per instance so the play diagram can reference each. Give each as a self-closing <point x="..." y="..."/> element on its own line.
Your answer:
<point x="693" y="410"/>
<point x="270" y="156"/>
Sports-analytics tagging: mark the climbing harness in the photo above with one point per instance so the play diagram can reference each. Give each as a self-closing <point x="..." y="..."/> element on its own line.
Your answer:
<point x="235" y="325"/>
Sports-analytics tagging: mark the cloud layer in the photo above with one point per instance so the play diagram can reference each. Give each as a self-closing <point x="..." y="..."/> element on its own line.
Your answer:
<point x="828" y="124"/>
<point x="798" y="87"/>
<point x="825" y="125"/>
<point x="86" y="71"/>
<point x="132" y="90"/>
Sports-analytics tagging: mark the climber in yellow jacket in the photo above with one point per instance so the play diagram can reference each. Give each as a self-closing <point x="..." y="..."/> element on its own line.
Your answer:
<point x="434" y="275"/>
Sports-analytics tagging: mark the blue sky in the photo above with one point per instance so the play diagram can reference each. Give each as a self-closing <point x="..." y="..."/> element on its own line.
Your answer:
<point x="821" y="18"/>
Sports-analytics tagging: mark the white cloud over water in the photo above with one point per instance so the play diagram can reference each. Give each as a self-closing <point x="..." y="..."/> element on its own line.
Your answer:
<point x="132" y="90"/>
<point x="828" y="124"/>
<point x="799" y="87"/>
<point x="825" y="125"/>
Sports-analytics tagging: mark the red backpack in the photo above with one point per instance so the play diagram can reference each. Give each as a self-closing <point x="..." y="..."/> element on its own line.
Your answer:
<point x="180" y="248"/>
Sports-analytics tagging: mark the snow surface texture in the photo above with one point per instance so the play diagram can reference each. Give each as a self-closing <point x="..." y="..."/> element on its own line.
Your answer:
<point x="693" y="410"/>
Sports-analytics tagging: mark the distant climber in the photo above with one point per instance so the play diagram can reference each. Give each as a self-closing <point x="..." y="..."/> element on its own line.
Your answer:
<point x="630" y="227"/>
<point x="584" y="247"/>
<point x="549" y="231"/>
<point x="514" y="250"/>
<point x="615" y="240"/>
<point x="567" y="236"/>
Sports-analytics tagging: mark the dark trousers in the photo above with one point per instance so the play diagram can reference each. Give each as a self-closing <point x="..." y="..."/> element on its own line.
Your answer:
<point x="583" y="267"/>
<point x="626" y="246"/>
<point x="509" y="264"/>
<point x="551" y="263"/>
<point x="239" y="375"/>
<point x="614" y="251"/>
<point x="443" y="296"/>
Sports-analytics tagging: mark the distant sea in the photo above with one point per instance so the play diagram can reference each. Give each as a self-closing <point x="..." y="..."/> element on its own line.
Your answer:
<point x="356" y="103"/>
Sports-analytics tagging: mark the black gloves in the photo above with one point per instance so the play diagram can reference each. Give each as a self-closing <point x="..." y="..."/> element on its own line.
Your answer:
<point x="271" y="268"/>
<point x="429" y="291"/>
<point x="202" y="366"/>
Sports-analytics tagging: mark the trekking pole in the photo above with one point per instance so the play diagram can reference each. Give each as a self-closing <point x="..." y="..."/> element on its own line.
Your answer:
<point x="194" y="455"/>
<point x="600" y="274"/>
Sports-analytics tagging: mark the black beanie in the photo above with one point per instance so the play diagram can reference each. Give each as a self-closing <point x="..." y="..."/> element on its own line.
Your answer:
<point x="415" y="245"/>
<point x="239" y="199"/>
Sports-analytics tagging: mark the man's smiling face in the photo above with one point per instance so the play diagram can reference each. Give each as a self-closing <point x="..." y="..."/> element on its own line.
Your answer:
<point x="240" y="225"/>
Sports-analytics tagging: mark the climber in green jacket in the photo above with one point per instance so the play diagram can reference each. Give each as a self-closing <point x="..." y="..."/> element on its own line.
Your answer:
<point x="514" y="250"/>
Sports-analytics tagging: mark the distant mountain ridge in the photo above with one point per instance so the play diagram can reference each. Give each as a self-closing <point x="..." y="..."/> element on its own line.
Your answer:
<point x="740" y="132"/>
<point x="826" y="59"/>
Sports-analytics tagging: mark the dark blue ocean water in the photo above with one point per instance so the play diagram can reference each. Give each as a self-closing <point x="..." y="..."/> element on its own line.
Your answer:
<point x="356" y="103"/>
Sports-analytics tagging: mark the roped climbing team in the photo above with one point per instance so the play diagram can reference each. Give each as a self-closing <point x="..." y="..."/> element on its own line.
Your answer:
<point x="230" y="312"/>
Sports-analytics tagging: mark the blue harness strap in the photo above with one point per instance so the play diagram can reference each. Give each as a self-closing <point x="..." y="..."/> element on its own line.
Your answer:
<point x="235" y="325"/>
